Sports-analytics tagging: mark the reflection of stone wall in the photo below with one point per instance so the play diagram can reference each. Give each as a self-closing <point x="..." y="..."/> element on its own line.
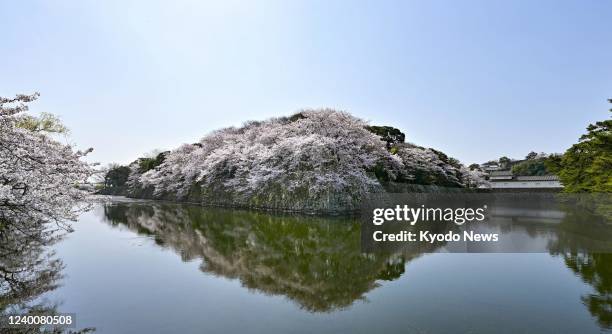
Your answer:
<point x="315" y="262"/>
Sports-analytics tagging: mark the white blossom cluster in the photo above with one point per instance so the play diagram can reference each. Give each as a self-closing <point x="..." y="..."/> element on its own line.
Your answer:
<point x="313" y="152"/>
<point x="38" y="175"/>
<point x="474" y="178"/>
<point x="316" y="151"/>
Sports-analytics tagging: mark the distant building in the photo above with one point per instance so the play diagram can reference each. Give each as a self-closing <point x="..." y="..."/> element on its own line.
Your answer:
<point x="490" y="166"/>
<point x="505" y="179"/>
<point x="499" y="175"/>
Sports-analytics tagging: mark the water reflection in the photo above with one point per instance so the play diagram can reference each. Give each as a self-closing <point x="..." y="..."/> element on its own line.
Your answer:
<point x="28" y="269"/>
<point x="576" y="234"/>
<point x="315" y="262"/>
<point x="318" y="263"/>
<point x="579" y="230"/>
<point x="523" y="222"/>
<point x="595" y="270"/>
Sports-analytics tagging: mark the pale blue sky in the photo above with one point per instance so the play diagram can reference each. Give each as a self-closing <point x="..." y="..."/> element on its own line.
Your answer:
<point x="476" y="79"/>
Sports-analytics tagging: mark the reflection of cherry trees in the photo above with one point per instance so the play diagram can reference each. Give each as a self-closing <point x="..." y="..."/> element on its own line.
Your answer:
<point x="27" y="271"/>
<point x="315" y="262"/>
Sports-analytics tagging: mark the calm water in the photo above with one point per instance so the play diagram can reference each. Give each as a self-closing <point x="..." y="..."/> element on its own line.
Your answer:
<point x="147" y="267"/>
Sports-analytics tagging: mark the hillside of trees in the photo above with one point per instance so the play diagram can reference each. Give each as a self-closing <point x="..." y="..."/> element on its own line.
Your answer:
<point x="313" y="161"/>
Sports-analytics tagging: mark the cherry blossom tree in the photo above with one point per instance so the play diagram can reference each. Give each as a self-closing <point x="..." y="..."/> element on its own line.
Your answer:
<point x="39" y="179"/>
<point x="474" y="178"/>
<point x="313" y="153"/>
<point x="317" y="152"/>
<point x="38" y="174"/>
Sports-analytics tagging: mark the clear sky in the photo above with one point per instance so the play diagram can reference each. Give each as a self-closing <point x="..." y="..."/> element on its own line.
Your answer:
<point x="476" y="79"/>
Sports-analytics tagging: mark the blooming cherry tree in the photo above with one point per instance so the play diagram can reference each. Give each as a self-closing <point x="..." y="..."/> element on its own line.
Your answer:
<point x="38" y="175"/>
<point x="313" y="153"/>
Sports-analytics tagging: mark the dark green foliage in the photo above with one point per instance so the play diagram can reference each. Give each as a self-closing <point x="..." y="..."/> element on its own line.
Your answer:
<point x="553" y="163"/>
<point x="430" y="179"/>
<point x="116" y="176"/>
<point x="474" y="167"/>
<point x="115" y="180"/>
<point x="392" y="136"/>
<point x="146" y="164"/>
<point x="531" y="155"/>
<point x="587" y="165"/>
<point x="296" y="117"/>
<point x="531" y="167"/>
<point x="381" y="173"/>
<point x="446" y="159"/>
<point x="504" y="162"/>
<point x="595" y="270"/>
<point x="393" y="270"/>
